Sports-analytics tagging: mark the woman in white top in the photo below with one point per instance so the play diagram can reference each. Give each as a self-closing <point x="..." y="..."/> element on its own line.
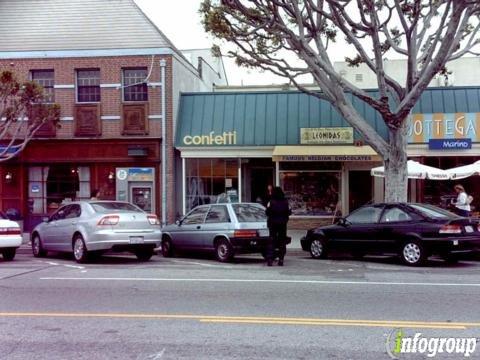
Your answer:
<point x="462" y="205"/>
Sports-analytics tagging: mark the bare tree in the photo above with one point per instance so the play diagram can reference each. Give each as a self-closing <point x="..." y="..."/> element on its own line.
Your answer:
<point x="23" y="112"/>
<point x="427" y="33"/>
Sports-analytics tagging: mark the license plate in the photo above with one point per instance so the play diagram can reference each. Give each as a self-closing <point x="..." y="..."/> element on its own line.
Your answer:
<point x="136" y="239"/>
<point x="263" y="232"/>
<point x="468" y="229"/>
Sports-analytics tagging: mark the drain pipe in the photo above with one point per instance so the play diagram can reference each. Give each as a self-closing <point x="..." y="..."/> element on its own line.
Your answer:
<point x="163" y="64"/>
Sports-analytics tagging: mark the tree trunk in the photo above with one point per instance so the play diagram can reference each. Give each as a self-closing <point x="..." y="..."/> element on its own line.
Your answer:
<point x="396" y="181"/>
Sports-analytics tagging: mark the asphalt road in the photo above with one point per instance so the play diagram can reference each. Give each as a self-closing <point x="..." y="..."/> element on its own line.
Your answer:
<point x="196" y="308"/>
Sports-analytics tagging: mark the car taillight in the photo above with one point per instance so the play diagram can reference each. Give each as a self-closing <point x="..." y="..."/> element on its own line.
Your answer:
<point x="10" y="231"/>
<point x="245" y="233"/>
<point x="109" y="220"/>
<point x="450" y="229"/>
<point x="153" y="220"/>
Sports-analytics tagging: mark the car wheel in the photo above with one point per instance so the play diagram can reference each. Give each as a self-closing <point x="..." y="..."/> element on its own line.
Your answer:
<point x="9" y="253"/>
<point x="37" y="247"/>
<point x="413" y="253"/>
<point x="80" y="252"/>
<point x="144" y="254"/>
<point x="223" y="251"/>
<point x="318" y="249"/>
<point x="167" y="247"/>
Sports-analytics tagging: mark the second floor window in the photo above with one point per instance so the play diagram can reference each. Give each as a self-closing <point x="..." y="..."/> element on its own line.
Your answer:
<point x="88" y="85"/>
<point x="135" y="85"/>
<point x="45" y="78"/>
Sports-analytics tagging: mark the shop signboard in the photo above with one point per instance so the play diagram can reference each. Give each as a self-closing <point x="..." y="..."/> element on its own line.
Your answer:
<point x="449" y="144"/>
<point x="140" y="174"/>
<point x="327" y="135"/>
<point x="443" y="126"/>
<point x="326" y="158"/>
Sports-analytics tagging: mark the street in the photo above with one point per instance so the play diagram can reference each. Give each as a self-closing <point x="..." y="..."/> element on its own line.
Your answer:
<point x="196" y="308"/>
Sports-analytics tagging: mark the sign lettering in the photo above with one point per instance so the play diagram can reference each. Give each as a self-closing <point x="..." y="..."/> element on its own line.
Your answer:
<point x="226" y="138"/>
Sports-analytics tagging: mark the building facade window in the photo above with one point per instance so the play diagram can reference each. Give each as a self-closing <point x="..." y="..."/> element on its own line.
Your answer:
<point x="211" y="181"/>
<point x="88" y="86"/>
<point x="51" y="186"/>
<point x="312" y="192"/>
<point x="135" y="84"/>
<point x="46" y="79"/>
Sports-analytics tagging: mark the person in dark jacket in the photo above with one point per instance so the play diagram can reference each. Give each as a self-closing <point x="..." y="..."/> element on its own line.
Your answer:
<point x="278" y="213"/>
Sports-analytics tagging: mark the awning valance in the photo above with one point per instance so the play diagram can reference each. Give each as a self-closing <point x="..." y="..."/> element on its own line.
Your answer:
<point x="325" y="153"/>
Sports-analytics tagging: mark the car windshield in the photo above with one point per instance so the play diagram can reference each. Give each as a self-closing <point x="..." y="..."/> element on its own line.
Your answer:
<point x="249" y="212"/>
<point x="104" y="207"/>
<point x="433" y="211"/>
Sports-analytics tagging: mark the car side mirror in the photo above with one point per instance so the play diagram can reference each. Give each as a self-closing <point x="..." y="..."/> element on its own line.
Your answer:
<point x="45" y="219"/>
<point x="178" y="222"/>
<point x="342" y="222"/>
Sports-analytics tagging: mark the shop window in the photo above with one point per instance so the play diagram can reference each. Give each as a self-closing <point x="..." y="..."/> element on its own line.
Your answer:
<point x="51" y="186"/>
<point x="211" y="181"/>
<point x="312" y="193"/>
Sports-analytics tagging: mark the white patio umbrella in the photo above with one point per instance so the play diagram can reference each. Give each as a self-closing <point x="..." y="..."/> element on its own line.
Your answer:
<point x="415" y="170"/>
<point x="464" y="171"/>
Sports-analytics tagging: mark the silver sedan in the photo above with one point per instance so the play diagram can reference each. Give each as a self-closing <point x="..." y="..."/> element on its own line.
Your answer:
<point x="227" y="229"/>
<point x="93" y="227"/>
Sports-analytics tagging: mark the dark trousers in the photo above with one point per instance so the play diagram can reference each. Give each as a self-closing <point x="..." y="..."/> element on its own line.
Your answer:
<point x="462" y="212"/>
<point x="277" y="240"/>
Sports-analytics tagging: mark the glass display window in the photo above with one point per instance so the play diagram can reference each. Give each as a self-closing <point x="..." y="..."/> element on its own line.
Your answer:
<point x="210" y="181"/>
<point x="312" y="193"/>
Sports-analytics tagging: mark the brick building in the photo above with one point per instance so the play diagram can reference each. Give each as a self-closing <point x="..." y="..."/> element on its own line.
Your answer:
<point x="117" y="79"/>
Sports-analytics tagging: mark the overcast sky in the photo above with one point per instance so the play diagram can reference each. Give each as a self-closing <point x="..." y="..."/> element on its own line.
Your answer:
<point x="180" y="22"/>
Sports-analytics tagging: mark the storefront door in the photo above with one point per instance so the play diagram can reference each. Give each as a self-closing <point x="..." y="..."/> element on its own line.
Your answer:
<point x="360" y="188"/>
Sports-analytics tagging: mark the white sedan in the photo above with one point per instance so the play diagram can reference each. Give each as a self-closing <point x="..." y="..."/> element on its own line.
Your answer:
<point x="10" y="237"/>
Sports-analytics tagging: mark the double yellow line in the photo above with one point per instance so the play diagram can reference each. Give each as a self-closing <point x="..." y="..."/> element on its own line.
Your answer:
<point x="257" y="320"/>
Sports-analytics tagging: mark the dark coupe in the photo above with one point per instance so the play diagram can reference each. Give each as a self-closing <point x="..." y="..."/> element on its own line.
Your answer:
<point x="413" y="231"/>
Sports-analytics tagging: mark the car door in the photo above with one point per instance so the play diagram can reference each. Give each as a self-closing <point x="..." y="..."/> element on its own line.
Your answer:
<point x="66" y="227"/>
<point x="188" y="233"/>
<point x="394" y="224"/>
<point x="217" y="221"/>
<point x="358" y="231"/>
<point x="50" y="234"/>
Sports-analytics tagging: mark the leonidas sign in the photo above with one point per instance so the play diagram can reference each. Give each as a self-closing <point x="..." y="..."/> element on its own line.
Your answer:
<point x="340" y="135"/>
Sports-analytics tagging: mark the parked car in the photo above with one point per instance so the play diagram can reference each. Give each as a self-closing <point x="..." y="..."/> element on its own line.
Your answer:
<point x="93" y="227"/>
<point x="413" y="231"/>
<point x="10" y="237"/>
<point x="227" y="229"/>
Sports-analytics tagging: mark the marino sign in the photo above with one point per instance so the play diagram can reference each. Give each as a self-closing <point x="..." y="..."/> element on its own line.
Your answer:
<point x="449" y="144"/>
<point x="226" y="138"/>
<point x="318" y="136"/>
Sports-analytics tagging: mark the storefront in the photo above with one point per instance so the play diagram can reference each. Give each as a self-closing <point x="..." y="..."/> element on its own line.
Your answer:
<point x="50" y="173"/>
<point x="232" y="146"/>
<point x="445" y="140"/>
